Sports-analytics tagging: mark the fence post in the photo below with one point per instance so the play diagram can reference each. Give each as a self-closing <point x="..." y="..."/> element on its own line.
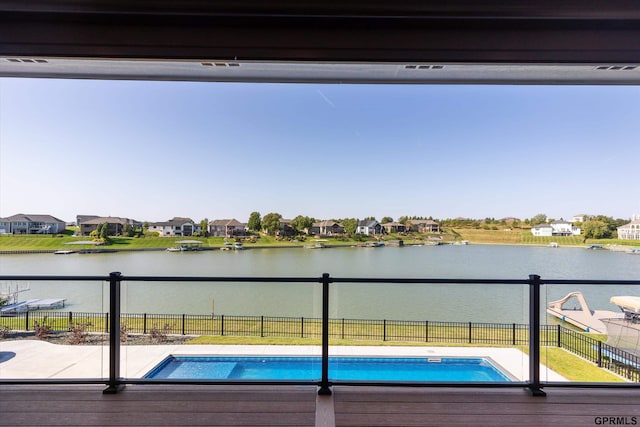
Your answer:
<point x="183" y="316"/>
<point x="222" y="325"/>
<point x="599" y="354"/>
<point x="302" y="327"/>
<point x="559" y="328"/>
<point x="534" y="336"/>
<point x="144" y="323"/>
<point x="513" y="335"/>
<point x="261" y="326"/>
<point x="106" y="323"/>
<point x="114" y="384"/>
<point x="426" y="331"/>
<point x="324" y="382"/>
<point x="70" y="321"/>
<point x="384" y="330"/>
<point x="342" y="328"/>
<point x="26" y="321"/>
<point x="470" y="329"/>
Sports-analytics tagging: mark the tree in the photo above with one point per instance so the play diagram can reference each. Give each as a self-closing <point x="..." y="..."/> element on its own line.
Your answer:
<point x="271" y="222"/>
<point x="300" y="223"/>
<point x="254" y="224"/>
<point x="350" y="225"/>
<point x="595" y="229"/>
<point x="386" y="219"/>
<point x="539" y="219"/>
<point x="204" y="227"/>
<point x="104" y="232"/>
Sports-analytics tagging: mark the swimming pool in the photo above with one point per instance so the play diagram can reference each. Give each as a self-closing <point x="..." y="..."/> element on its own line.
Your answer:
<point x="418" y="369"/>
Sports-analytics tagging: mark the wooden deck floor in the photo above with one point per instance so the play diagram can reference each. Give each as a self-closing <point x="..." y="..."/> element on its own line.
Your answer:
<point x="296" y="406"/>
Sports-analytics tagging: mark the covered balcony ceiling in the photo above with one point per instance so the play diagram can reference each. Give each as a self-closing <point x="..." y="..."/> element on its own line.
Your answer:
<point x="405" y="41"/>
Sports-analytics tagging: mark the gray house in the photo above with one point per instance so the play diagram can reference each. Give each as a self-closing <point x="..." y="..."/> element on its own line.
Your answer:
<point x="116" y="225"/>
<point x="31" y="224"/>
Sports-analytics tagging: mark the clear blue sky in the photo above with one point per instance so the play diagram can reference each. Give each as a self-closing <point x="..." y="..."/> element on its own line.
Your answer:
<point x="154" y="150"/>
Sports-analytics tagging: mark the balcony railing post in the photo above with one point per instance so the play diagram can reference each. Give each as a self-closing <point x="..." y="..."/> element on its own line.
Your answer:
<point x="324" y="383"/>
<point x="114" y="384"/>
<point x="534" y="336"/>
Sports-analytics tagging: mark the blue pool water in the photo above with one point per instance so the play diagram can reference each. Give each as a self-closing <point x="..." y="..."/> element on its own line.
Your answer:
<point x="340" y="368"/>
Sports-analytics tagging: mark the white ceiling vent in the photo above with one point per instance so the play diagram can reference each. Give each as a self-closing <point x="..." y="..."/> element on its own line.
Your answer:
<point x="27" y="61"/>
<point x="220" y="64"/>
<point x="424" y="67"/>
<point x="616" y="67"/>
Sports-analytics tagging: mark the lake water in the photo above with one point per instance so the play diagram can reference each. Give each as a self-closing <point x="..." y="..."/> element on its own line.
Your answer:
<point x="479" y="303"/>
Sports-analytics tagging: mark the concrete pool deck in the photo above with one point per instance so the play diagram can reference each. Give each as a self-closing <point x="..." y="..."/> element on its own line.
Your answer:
<point x="33" y="359"/>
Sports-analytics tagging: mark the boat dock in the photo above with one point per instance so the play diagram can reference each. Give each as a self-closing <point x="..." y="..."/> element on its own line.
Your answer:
<point x="32" y="305"/>
<point x="573" y="309"/>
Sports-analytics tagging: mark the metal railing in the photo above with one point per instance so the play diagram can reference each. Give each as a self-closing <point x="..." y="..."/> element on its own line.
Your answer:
<point x="535" y="334"/>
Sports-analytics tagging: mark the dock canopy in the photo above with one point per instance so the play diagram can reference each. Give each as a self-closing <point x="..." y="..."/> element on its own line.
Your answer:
<point x="630" y="305"/>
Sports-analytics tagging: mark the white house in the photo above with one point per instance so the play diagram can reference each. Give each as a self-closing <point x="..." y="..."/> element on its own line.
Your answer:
<point x="580" y="218"/>
<point x="564" y="228"/>
<point x="542" y="230"/>
<point x="31" y="224"/>
<point x="630" y="231"/>
<point x="177" y="226"/>
<point x="369" y="227"/>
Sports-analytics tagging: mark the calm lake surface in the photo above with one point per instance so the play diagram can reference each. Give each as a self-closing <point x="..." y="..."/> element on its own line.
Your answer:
<point x="479" y="303"/>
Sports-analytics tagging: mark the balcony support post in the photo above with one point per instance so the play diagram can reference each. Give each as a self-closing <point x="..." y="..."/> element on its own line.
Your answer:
<point x="114" y="385"/>
<point x="325" y="386"/>
<point x="534" y="387"/>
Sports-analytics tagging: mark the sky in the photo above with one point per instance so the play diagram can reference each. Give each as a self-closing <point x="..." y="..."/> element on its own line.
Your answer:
<point x="154" y="150"/>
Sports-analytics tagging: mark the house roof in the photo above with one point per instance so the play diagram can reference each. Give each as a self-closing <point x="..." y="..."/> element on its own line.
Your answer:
<point x="31" y="218"/>
<point x="392" y="224"/>
<point x="109" y="220"/>
<point x="327" y="223"/>
<point x="542" y="226"/>
<point x="367" y="223"/>
<point x="422" y="221"/>
<point x="226" y="223"/>
<point x="173" y="222"/>
<point x="634" y="222"/>
<point x="561" y="222"/>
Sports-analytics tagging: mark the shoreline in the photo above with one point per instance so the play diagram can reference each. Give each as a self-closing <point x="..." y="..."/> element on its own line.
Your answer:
<point x="606" y="246"/>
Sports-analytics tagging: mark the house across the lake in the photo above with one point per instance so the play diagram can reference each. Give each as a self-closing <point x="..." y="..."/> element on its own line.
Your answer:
<point x="226" y="228"/>
<point x="369" y="227"/>
<point x="175" y="227"/>
<point x="630" y="231"/>
<point x="115" y="225"/>
<point x="31" y="224"/>
<point x="424" y="225"/>
<point x="326" y="228"/>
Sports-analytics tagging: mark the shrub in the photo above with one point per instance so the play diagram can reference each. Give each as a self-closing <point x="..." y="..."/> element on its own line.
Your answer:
<point x="160" y="335"/>
<point x="124" y="333"/>
<point x="79" y="333"/>
<point x="42" y="331"/>
<point x="4" y="331"/>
